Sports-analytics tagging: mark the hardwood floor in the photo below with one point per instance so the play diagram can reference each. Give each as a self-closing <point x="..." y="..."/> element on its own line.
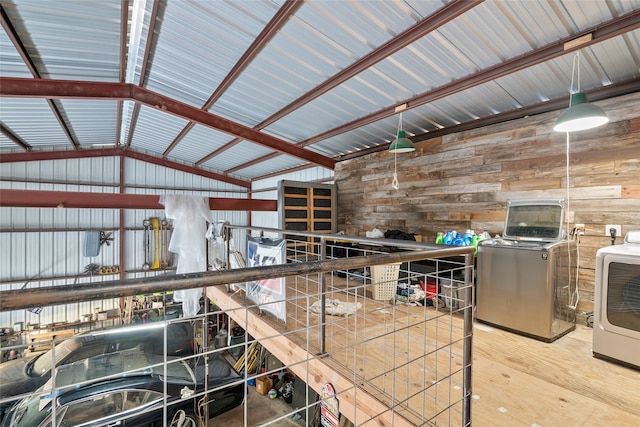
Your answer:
<point x="519" y="381"/>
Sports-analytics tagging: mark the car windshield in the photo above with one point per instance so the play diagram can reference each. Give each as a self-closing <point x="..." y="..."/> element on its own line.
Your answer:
<point x="43" y="364"/>
<point x="122" y="363"/>
<point x="28" y="413"/>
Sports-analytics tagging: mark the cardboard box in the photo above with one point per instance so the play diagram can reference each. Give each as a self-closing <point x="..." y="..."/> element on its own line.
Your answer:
<point x="263" y="384"/>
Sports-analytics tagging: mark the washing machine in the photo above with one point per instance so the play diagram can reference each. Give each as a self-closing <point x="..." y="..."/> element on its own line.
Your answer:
<point x="616" y="323"/>
<point x="526" y="279"/>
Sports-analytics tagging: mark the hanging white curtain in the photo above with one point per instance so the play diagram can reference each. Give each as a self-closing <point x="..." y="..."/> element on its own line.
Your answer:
<point x="190" y="216"/>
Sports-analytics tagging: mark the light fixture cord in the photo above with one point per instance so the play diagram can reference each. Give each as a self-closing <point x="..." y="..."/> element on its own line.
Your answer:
<point x="395" y="184"/>
<point x="576" y="60"/>
<point x="576" y="292"/>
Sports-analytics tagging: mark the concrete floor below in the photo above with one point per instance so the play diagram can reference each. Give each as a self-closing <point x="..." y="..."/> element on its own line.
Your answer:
<point x="260" y="410"/>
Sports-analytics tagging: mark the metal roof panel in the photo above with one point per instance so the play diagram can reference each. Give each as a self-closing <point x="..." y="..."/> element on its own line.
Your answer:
<point x="11" y="63"/>
<point x="241" y="153"/>
<point x="154" y="130"/>
<point x="199" y="142"/>
<point x="200" y="42"/>
<point x="71" y="39"/>
<point x="276" y="164"/>
<point x="195" y="44"/>
<point x="32" y="120"/>
<point x="92" y="121"/>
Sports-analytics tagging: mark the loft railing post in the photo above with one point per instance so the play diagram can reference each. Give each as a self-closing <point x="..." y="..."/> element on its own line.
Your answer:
<point x="323" y="296"/>
<point x="468" y="339"/>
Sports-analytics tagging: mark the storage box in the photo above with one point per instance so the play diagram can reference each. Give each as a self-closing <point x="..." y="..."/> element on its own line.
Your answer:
<point x="263" y="384"/>
<point x="384" y="279"/>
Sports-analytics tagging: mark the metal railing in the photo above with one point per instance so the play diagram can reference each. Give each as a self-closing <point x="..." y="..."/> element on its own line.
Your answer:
<point x="334" y="267"/>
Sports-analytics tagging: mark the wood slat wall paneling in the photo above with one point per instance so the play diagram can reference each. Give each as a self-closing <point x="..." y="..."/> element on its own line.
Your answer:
<point x="463" y="181"/>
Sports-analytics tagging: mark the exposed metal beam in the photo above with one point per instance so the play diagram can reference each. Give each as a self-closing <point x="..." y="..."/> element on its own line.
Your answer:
<point x="205" y="118"/>
<point x="597" y="94"/>
<point x="271" y="29"/>
<point x="252" y="162"/>
<point x="124" y="25"/>
<point x="185" y="168"/>
<point x="26" y="58"/>
<point x="422" y="28"/>
<point x="432" y="22"/>
<point x="153" y="19"/>
<point x="58" y="155"/>
<point x="63" y="89"/>
<point x="214" y="153"/>
<point x="18" y="87"/>
<point x="601" y="93"/>
<point x="84" y="200"/>
<point x="14" y="138"/>
<point x="602" y="32"/>
<point x="106" y="152"/>
<point x="17" y="43"/>
<point x="280" y="172"/>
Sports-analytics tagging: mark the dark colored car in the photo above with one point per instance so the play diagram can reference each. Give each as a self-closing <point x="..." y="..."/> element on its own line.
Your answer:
<point x="25" y="375"/>
<point x="128" y="389"/>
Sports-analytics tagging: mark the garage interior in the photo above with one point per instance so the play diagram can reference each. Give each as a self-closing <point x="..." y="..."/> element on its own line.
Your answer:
<point x="279" y="117"/>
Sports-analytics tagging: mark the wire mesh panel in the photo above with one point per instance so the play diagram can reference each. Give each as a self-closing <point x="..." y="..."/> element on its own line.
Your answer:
<point x="394" y="353"/>
<point x="401" y="360"/>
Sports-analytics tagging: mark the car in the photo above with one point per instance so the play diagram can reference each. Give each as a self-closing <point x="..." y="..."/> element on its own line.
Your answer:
<point x="25" y="375"/>
<point x="132" y="388"/>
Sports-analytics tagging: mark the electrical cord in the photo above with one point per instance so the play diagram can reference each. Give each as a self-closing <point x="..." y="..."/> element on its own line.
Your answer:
<point x="576" y="292"/>
<point x="201" y="412"/>
<point x="178" y="419"/>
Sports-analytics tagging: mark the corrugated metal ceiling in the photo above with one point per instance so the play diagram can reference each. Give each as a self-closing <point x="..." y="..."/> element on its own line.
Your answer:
<point x="323" y="75"/>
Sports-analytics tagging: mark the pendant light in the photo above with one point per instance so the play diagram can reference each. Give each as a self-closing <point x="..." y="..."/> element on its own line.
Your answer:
<point x="580" y="115"/>
<point x="402" y="144"/>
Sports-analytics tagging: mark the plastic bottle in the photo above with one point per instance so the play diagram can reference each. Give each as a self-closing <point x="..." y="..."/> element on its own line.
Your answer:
<point x="458" y="240"/>
<point x="474" y="242"/>
<point x="486" y="235"/>
<point x="468" y="236"/>
<point x="439" y="238"/>
<point x="448" y="238"/>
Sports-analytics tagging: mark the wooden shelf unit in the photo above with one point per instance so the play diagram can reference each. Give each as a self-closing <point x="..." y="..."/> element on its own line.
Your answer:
<point x="306" y="206"/>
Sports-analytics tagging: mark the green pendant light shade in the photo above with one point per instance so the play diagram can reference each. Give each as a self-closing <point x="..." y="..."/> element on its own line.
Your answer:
<point x="402" y="144"/>
<point x="580" y="115"/>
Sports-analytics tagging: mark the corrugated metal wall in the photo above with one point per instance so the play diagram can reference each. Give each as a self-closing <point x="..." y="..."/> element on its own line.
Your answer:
<point x="45" y="247"/>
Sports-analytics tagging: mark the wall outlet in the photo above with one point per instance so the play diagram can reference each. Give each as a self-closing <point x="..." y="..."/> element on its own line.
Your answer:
<point x="580" y="229"/>
<point x="608" y="227"/>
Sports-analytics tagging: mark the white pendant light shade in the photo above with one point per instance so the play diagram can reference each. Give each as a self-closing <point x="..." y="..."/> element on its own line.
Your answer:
<point x="581" y="115"/>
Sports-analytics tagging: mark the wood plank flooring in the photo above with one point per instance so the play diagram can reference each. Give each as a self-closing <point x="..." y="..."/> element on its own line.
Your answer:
<point x="517" y="380"/>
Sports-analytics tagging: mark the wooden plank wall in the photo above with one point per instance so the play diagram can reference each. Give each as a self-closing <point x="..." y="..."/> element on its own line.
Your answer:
<point x="463" y="181"/>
